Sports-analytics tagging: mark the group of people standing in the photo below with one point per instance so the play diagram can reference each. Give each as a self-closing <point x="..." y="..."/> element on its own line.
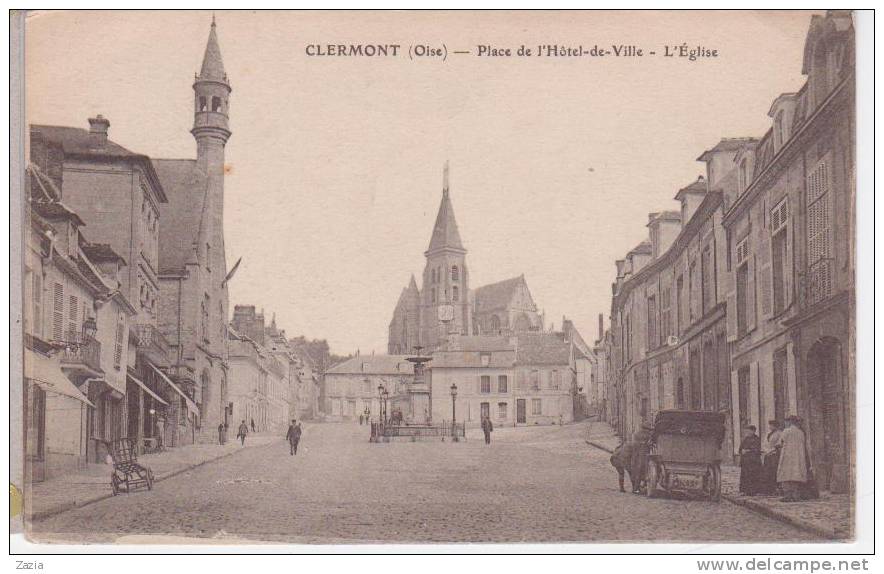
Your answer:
<point x="779" y="464"/>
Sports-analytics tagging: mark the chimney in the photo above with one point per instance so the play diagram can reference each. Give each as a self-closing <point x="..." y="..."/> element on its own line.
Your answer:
<point x="601" y="326"/>
<point x="98" y="130"/>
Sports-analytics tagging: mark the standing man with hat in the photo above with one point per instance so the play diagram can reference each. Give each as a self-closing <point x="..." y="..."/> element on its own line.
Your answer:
<point x="792" y="469"/>
<point x="640" y="453"/>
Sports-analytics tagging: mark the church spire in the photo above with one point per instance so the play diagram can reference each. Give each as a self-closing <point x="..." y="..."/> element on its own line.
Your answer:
<point x="445" y="232"/>
<point x="213" y="65"/>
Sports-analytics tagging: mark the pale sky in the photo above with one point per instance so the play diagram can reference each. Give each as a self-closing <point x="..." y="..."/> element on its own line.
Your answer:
<point x="336" y="163"/>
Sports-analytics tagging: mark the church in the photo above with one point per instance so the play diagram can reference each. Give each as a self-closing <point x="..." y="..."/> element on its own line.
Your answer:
<point x="501" y="308"/>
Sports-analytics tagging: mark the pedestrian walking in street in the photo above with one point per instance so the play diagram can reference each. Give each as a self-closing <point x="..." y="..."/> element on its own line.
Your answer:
<point x="750" y="462"/>
<point x="621" y="460"/>
<point x="793" y="465"/>
<point x="221" y="433"/>
<point x="641" y="451"/>
<point x="253" y="425"/>
<point x="487" y="428"/>
<point x="242" y="432"/>
<point x="770" y="453"/>
<point x="294" y="437"/>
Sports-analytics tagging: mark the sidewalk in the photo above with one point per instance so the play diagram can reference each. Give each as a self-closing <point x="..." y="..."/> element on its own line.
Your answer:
<point x="829" y="516"/>
<point x="92" y="484"/>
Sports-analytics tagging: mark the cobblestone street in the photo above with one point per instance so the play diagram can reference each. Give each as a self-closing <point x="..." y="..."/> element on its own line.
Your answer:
<point x="542" y="484"/>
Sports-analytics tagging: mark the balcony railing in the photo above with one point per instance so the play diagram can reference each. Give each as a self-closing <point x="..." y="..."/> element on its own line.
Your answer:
<point x="85" y="353"/>
<point x="152" y="343"/>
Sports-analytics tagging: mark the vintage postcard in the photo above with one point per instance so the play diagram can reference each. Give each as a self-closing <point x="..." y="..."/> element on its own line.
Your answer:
<point x="377" y="277"/>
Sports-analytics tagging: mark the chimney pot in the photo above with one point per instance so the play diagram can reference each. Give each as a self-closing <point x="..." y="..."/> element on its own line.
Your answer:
<point x="98" y="129"/>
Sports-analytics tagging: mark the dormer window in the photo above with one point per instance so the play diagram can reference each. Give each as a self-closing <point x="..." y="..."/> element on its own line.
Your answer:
<point x="780" y="129"/>
<point x="744" y="174"/>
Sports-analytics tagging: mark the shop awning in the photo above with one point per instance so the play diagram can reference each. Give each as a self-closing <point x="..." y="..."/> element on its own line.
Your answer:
<point x="46" y="373"/>
<point x="147" y="389"/>
<point x="191" y="406"/>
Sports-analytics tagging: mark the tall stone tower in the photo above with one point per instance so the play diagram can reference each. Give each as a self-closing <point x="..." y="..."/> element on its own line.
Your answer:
<point x="445" y="279"/>
<point x="211" y="132"/>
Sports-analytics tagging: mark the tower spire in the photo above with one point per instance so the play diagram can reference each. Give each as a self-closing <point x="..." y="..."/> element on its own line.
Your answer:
<point x="445" y="172"/>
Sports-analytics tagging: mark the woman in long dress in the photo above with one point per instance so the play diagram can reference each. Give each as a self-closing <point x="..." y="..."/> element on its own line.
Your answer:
<point x="750" y="462"/>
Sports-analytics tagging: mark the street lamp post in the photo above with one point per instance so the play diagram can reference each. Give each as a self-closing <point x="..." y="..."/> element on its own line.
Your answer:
<point x="453" y="412"/>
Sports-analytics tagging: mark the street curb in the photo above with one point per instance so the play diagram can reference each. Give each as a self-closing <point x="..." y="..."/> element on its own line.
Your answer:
<point x="42" y="515"/>
<point x="761" y="509"/>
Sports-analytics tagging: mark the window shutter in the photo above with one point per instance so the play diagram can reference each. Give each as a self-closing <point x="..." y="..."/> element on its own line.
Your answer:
<point x="58" y="312"/>
<point x="789" y="268"/>
<point x="765" y="275"/>
<point x="751" y="304"/>
<point x="37" y="327"/>
<point x="73" y="317"/>
<point x="754" y="403"/>
<point x="791" y="382"/>
<point x="735" y="409"/>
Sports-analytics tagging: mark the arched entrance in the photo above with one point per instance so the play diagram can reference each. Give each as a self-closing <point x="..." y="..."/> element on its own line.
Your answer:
<point x="826" y="419"/>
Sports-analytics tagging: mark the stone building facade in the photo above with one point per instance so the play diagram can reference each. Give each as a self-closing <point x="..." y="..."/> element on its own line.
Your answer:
<point x="192" y="263"/>
<point x="517" y="380"/>
<point x="351" y="387"/>
<point x="775" y="335"/>
<point x="790" y="226"/>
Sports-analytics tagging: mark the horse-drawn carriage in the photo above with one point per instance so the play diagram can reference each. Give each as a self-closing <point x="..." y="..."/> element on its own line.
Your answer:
<point x="685" y="453"/>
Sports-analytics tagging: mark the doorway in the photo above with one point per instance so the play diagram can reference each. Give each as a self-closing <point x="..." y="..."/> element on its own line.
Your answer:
<point x="826" y="418"/>
<point x="521" y="415"/>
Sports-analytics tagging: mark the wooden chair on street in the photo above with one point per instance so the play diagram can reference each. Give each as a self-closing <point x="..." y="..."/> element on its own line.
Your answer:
<point x="128" y="474"/>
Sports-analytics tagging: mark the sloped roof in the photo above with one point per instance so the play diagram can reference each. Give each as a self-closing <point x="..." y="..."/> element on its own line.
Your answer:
<point x="466" y="352"/>
<point x="726" y="144"/>
<point x="542" y="349"/>
<point x="213" y="65"/>
<point x="180" y="217"/>
<point x="80" y="142"/>
<point x="101" y="252"/>
<point x="445" y="232"/>
<point x="498" y="295"/>
<point x="697" y="186"/>
<point x="374" y="365"/>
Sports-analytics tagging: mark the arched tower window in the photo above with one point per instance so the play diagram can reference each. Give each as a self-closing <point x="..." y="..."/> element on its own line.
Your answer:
<point x="455" y="273"/>
<point x="216" y="104"/>
<point x="433" y="295"/>
<point x="203" y="104"/>
<point x="495" y="323"/>
<point x="455" y="293"/>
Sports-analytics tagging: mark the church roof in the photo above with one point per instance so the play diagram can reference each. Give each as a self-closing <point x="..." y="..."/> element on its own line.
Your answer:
<point x="542" y="349"/>
<point x="180" y="218"/>
<point x="373" y="365"/>
<point x="445" y="233"/>
<point x="498" y="295"/>
<point x="213" y="65"/>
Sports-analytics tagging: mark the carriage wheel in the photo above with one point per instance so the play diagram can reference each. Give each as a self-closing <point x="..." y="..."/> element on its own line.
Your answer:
<point x="653" y="479"/>
<point x="115" y="484"/>
<point x="715" y="484"/>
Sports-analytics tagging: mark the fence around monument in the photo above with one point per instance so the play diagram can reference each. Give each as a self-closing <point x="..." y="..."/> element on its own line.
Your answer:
<point x="445" y="429"/>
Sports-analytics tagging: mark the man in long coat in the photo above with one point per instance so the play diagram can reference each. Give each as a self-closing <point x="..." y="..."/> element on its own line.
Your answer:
<point x="621" y="460"/>
<point x="242" y="432"/>
<point x="294" y="437"/>
<point x="640" y="453"/>
<point x="792" y="469"/>
<point x="487" y="427"/>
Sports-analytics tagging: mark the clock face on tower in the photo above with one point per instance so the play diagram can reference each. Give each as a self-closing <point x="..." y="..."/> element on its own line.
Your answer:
<point x="446" y="312"/>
